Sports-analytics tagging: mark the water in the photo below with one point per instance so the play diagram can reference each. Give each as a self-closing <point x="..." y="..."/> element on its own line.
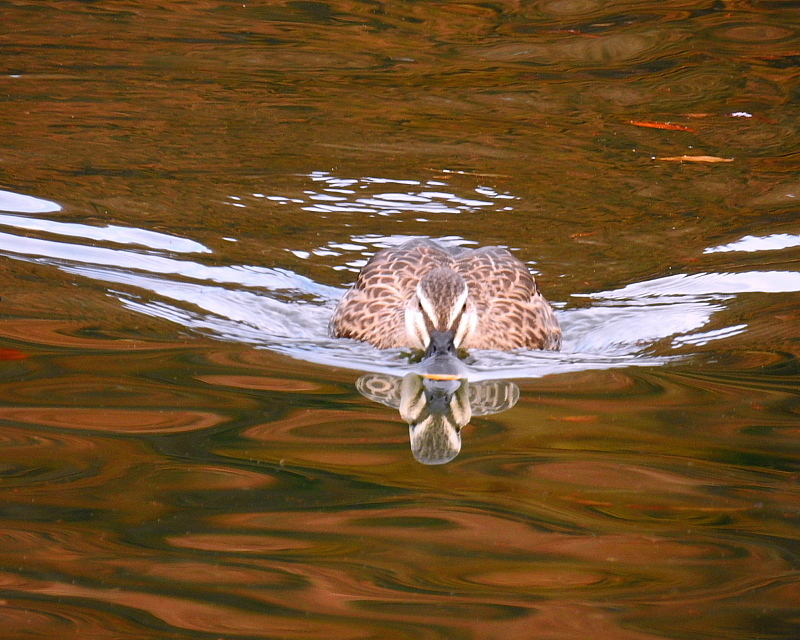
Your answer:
<point x="187" y="189"/>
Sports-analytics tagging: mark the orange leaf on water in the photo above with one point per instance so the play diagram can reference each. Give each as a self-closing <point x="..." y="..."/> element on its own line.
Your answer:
<point x="695" y="159"/>
<point x="660" y="125"/>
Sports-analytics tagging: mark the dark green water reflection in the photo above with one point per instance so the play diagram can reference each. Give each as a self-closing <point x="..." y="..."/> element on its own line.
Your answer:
<point x="185" y="188"/>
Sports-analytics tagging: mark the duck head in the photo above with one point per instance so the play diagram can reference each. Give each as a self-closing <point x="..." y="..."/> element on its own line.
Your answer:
<point x="440" y="315"/>
<point x="435" y="410"/>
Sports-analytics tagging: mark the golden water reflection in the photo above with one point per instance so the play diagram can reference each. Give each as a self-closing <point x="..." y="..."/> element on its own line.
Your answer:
<point x="229" y="491"/>
<point x="156" y="483"/>
<point x="591" y="507"/>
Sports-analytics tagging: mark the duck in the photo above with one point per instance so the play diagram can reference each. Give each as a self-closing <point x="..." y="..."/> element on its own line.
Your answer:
<point x="440" y="299"/>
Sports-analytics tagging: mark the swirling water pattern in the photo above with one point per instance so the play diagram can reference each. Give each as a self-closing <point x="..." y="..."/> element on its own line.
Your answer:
<point x="188" y="188"/>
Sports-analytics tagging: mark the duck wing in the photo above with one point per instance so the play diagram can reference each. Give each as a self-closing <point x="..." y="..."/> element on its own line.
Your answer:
<point x="512" y="314"/>
<point x="373" y="309"/>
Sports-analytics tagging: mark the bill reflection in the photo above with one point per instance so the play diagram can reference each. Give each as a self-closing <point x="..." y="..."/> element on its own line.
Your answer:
<point x="437" y="409"/>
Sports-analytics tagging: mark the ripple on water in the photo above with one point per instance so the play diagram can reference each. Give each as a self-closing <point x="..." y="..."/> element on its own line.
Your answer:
<point x="220" y="572"/>
<point x="326" y="426"/>
<point x="262" y="383"/>
<point x="52" y="461"/>
<point x="760" y="33"/>
<point x="85" y="389"/>
<point x="571" y="7"/>
<point x="434" y="610"/>
<point x="543" y="579"/>
<point x="195" y="615"/>
<point x="180" y="478"/>
<point x="114" y="420"/>
<point x="36" y="618"/>
<point x="681" y="89"/>
<point x="244" y="544"/>
<point x="605" y="50"/>
<point x="71" y="335"/>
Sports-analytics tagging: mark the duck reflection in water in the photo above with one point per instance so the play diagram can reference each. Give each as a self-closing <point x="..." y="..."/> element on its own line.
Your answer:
<point x="437" y="409"/>
<point x="439" y="299"/>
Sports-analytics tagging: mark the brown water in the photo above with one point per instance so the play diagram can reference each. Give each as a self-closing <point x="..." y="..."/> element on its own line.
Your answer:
<point x="188" y="186"/>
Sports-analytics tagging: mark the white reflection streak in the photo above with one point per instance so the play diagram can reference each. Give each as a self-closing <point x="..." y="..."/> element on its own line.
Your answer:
<point x="707" y="284"/>
<point x="773" y="242"/>
<point x="264" y="317"/>
<point x="110" y="233"/>
<point x="383" y="242"/>
<point x="10" y="201"/>
<point x="698" y="339"/>
<point x="621" y="329"/>
<point x="273" y="279"/>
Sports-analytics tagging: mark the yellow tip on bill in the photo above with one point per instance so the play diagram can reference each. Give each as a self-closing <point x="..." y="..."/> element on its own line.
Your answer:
<point x="441" y="376"/>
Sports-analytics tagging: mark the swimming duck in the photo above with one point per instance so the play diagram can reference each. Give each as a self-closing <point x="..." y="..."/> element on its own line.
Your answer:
<point x="437" y="298"/>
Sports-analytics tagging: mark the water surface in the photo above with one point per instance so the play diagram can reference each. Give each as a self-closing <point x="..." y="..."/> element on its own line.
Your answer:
<point x="188" y="188"/>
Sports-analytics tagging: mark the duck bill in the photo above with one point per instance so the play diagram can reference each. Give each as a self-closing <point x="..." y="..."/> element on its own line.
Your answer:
<point x="441" y="362"/>
<point x="443" y="368"/>
<point x="441" y="343"/>
<point x="441" y="377"/>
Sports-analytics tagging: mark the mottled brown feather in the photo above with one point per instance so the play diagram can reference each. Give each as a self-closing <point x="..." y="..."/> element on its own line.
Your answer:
<point x="512" y="313"/>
